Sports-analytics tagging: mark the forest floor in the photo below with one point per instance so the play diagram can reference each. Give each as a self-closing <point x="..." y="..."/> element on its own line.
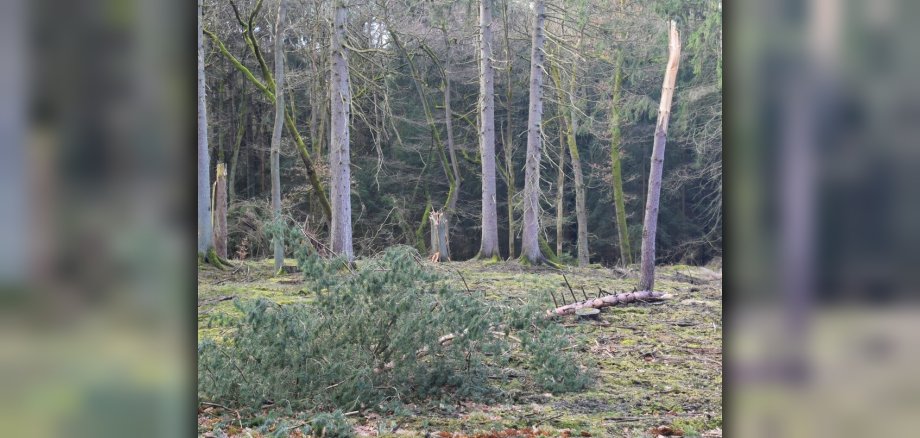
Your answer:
<point x="657" y="363"/>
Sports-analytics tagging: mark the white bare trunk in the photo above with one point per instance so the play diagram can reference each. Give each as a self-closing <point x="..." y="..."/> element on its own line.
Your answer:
<point x="489" y="247"/>
<point x="530" y="245"/>
<point x="205" y="237"/>
<point x="647" y="270"/>
<point x="339" y="159"/>
<point x="276" y="132"/>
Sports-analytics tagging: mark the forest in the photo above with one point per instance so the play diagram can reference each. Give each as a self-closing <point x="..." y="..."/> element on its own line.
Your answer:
<point x="459" y="218"/>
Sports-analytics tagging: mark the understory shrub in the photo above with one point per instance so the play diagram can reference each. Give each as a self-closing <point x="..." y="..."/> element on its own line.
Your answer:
<point x="391" y="331"/>
<point x="246" y="222"/>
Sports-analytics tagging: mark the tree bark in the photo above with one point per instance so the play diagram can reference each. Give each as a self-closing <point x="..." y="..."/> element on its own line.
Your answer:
<point x="509" y="140"/>
<point x="608" y="300"/>
<point x="616" y="172"/>
<point x="530" y="245"/>
<point x="449" y="126"/>
<point x="220" y="211"/>
<point x="569" y="121"/>
<point x="581" y="210"/>
<point x="647" y="270"/>
<point x="319" y="104"/>
<point x="560" y="192"/>
<point x="419" y="232"/>
<point x="234" y="157"/>
<point x="339" y="158"/>
<point x="489" y="247"/>
<point x="440" y="243"/>
<point x="276" y="134"/>
<point x="205" y="234"/>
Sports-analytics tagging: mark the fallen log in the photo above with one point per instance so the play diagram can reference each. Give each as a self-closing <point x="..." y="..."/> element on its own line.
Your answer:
<point x="609" y="300"/>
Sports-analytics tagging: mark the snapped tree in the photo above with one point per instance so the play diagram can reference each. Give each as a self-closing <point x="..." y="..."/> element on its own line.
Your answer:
<point x="647" y="270"/>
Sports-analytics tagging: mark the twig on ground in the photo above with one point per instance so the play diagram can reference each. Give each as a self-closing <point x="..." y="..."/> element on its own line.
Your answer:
<point x="464" y="282"/>
<point x="216" y="405"/>
<point x="217" y="300"/>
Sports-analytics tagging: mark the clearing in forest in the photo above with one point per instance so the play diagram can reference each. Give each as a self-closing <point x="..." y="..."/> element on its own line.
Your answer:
<point x="654" y="364"/>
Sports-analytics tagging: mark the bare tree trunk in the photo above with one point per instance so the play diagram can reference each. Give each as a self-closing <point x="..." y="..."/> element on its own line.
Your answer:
<point x="420" y="231"/>
<point x="616" y="177"/>
<point x="560" y="192"/>
<point x="234" y="157"/>
<point x="276" y="134"/>
<point x="530" y="245"/>
<point x="509" y="140"/>
<point x="581" y="210"/>
<point x="319" y="190"/>
<point x="489" y="247"/>
<point x="449" y="126"/>
<point x="219" y="99"/>
<point x="571" y="128"/>
<point x="205" y="235"/>
<point x="647" y="272"/>
<point x="319" y="103"/>
<point x="339" y="159"/>
<point x="220" y="211"/>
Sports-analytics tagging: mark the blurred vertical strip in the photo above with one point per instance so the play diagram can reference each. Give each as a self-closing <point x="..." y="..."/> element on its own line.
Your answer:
<point x="96" y="146"/>
<point x="14" y="250"/>
<point x="824" y="218"/>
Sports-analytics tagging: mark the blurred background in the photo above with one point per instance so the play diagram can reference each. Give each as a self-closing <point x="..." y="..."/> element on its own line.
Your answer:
<point x="97" y="260"/>
<point x="823" y="218"/>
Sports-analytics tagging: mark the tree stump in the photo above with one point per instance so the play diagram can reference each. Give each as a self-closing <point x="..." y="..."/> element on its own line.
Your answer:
<point x="588" y="313"/>
<point x="219" y="211"/>
<point x="440" y="243"/>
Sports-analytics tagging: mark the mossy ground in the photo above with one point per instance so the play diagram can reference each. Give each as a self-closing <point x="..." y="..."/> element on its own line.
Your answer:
<point x="656" y="363"/>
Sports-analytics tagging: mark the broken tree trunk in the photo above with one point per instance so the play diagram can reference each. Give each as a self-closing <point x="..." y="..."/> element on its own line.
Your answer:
<point x="609" y="300"/>
<point x="440" y="244"/>
<point x="650" y="225"/>
<point x="220" y="211"/>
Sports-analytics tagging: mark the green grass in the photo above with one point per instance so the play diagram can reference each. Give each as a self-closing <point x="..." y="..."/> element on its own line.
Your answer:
<point x="656" y="363"/>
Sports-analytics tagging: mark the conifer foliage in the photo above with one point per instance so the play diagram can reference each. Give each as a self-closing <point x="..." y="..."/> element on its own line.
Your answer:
<point x="389" y="331"/>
